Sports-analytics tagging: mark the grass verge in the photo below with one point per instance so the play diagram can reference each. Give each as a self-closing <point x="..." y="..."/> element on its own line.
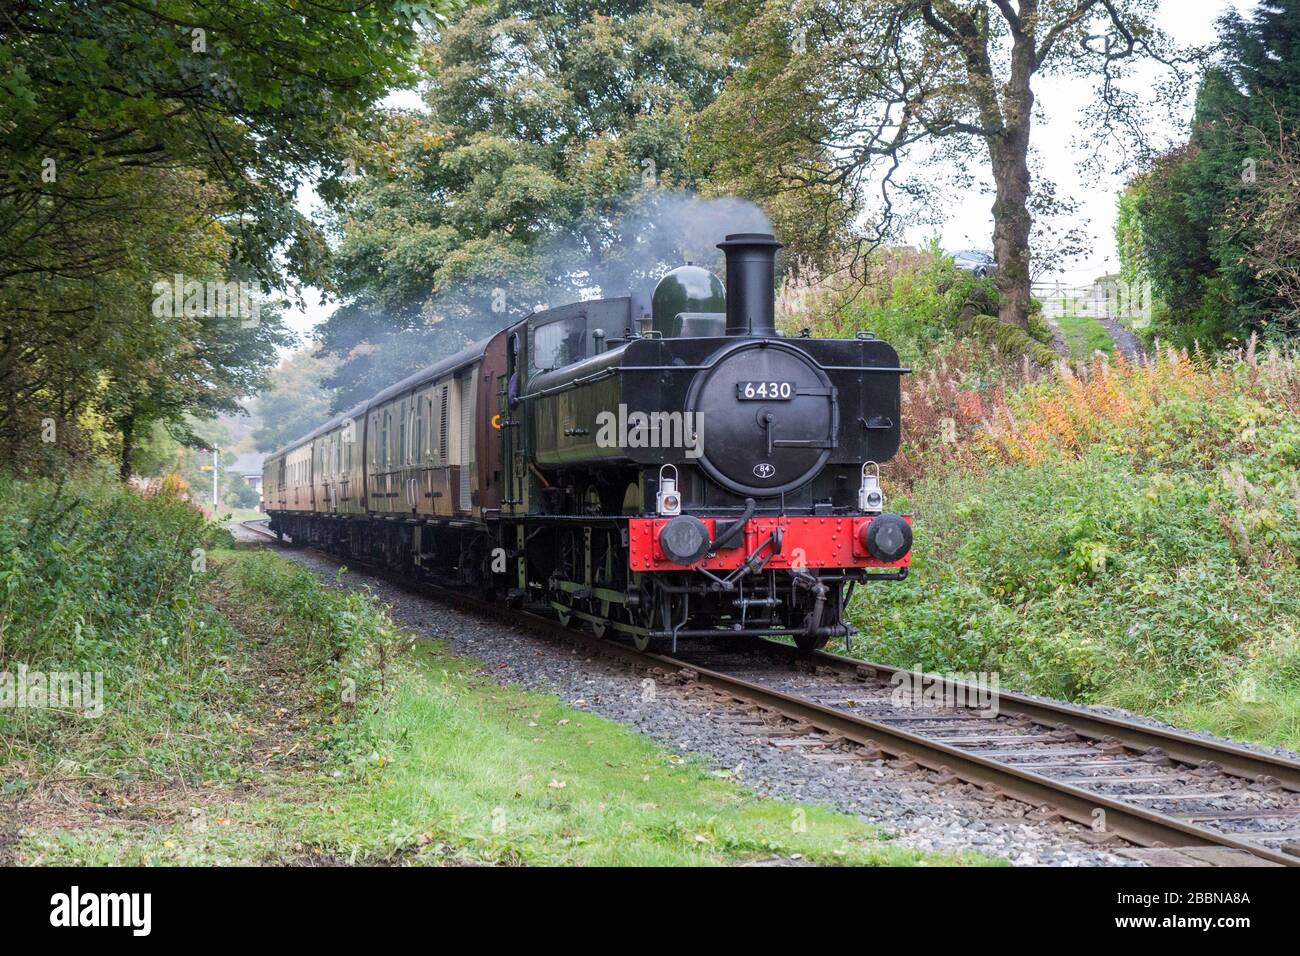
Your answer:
<point x="341" y="740"/>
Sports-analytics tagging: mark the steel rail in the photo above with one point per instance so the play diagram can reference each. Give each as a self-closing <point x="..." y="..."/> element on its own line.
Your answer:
<point x="1134" y="824"/>
<point x="1176" y="744"/>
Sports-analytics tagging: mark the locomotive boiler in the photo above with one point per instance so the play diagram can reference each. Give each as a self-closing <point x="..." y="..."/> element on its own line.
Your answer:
<point x="664" y="468"/>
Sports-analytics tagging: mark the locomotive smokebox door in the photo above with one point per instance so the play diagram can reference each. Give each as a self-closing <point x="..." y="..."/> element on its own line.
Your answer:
<point x="768" y="415"/>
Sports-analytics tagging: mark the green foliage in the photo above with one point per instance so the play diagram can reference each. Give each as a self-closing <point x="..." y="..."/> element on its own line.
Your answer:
<point x="342" y="643"/>
<point x="1128" y="232"/>
<point x="296" y="402"/>
<point x="96" y="579"/>
<point x="138" y="141"/>
<point x="1197" y="209"/>
<point x="238" y="493"/>
<point x="548" y="123"/>
<point x="251" y="94"/>
<point x="1128" y="567"/>
<point x="922" y="304"/>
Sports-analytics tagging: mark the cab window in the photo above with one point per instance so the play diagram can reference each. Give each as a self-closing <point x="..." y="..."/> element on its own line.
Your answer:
<point x="557" y="344"/>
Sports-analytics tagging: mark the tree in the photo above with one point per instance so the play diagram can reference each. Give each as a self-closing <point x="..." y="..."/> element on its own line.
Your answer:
<point x="1272" y="210"/>
<point x="254" y="94"/>
<point x="846" y="95"/>
<point x="1217" y="215"/>
<point x="97" y="345"/>
<point x="138" y="141"/>
<point x="551" y="125"/>
<point x="296" y="402"/>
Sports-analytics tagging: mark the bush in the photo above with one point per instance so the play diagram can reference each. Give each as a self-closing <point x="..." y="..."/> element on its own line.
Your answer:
<point x="1126" y="535"/>
<point x="96" y="579"/>
<point x="919" y="302"/>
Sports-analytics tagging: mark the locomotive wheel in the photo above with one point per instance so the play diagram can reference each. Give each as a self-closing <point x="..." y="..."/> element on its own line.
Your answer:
<point x="803" y="641"/>
<point x="659" y="613"/>
<point x="642" y="616"/>
<point x="808" y="644"/>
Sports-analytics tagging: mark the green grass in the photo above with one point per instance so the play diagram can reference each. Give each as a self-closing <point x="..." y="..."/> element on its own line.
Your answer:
<point x="1084" y="336"/>
<point x="464" y="770"/>
<point x="96" y="579"/>
<point x="434" y="763"/>
<point x="476" y="771"/>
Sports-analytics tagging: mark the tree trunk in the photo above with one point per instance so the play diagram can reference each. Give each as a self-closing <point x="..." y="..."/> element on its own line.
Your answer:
<point x="1011" y="225"/>
<point x="1009" y="152"/>
<point x="128" y="446"/>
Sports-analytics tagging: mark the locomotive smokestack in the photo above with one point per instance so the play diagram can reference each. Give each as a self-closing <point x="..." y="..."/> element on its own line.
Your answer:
<point x="751" y="274"/>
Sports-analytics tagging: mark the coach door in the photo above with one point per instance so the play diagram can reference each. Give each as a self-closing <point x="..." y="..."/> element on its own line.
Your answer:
<point x="512" y="417"/>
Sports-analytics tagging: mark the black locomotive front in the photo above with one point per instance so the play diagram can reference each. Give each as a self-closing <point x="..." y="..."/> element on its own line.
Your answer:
<point x="740" y="467"/>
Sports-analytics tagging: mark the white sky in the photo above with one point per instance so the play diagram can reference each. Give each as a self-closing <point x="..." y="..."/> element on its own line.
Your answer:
<point x="970" y="225"/>
<point x="1190" y="22"/>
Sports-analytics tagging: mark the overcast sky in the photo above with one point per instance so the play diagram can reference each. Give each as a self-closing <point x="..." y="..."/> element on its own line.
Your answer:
<point x="1189" y="22"/>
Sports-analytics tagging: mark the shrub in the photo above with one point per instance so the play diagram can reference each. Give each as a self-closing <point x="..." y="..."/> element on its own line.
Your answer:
<point x="1121" y="533"/>
<point x="96" y="579"/>
<point x="918" y="301"/>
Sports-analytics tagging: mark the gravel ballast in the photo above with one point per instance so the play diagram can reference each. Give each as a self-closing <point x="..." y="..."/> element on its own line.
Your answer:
<point x="907" y="805"/>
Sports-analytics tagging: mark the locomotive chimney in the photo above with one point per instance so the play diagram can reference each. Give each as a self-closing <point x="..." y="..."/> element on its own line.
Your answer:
<point x="751" y="273"/>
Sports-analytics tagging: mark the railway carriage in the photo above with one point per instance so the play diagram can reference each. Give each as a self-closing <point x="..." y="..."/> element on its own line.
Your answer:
<point x="664" y="467"/>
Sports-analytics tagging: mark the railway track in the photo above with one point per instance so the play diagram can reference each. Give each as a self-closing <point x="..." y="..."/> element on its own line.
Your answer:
<point x="1124" y="780"/>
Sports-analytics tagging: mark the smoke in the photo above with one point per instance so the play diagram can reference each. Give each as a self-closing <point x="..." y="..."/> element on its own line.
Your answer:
<point x="622" y="249"/>
<point x="661" y="230"/>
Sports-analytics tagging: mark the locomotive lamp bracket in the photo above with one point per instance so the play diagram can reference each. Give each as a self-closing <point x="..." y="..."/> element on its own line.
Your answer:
<point x="871" y="500"/>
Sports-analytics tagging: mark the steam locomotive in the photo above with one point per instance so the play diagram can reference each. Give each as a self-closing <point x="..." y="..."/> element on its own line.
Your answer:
<point x="663" y="467"/>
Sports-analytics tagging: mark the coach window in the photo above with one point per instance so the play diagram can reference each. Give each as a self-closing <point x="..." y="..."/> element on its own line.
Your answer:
<point x="428" y="438"/>
<point x="401" y="434"/>
<point x="413" y="457"/>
